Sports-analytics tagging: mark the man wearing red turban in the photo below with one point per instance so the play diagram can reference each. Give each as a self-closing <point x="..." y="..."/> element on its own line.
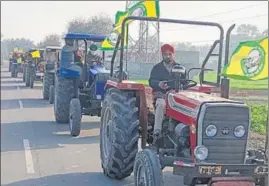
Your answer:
<point x="160" y="82"/>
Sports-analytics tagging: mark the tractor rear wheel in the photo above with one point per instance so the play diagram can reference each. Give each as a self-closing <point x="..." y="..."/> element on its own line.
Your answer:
<point x="32" y="80"/>
<point x="64" y="92"/>
<point x="119" y="133"/>
<point x="24" y="75"/>
<point x="51" y="94"/>
<point x="28" y="75"/>
<point x="75" y="117"/>
<point x="47" y="82"/>
<point x="147" y="169"/>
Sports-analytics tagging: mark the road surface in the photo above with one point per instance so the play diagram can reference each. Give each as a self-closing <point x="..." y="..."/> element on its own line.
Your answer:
<point x="35" y="151"/>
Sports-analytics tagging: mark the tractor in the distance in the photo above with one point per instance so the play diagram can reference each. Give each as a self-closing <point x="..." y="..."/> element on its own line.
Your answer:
<point x="50" y="58"/>
<point x="33" y="68"/>
<point x="204" y="137"/>
<point x="15" y="63"/>
<point x="79" y="90"/>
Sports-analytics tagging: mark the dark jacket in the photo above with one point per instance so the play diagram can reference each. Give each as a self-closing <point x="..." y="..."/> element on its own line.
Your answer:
<point x="160" y="73"/>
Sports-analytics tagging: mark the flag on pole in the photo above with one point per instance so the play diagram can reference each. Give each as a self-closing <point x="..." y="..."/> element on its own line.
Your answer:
<point x="35" y="54"/>
<point x="249" y="61"/>
<point x="141" y="8"/>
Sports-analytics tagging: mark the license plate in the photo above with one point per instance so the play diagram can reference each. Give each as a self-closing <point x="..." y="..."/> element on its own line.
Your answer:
<point x="210" y="170"/>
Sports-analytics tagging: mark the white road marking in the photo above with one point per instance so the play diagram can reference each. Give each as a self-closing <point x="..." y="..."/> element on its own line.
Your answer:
<point x="21" y="105"/>
<point x="28" y="157"/>
<point x="18" y="88"/>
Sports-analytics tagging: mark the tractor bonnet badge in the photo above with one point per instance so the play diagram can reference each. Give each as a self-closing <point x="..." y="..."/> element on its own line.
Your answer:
<point x="225" y="131"/>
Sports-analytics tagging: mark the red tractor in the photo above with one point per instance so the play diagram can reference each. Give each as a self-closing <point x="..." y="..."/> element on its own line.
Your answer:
<point x="204" y="137"/>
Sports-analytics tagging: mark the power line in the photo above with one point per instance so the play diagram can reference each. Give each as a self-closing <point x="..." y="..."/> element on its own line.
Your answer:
<point x="233" y="10"/>
<point x="227" y="21"/>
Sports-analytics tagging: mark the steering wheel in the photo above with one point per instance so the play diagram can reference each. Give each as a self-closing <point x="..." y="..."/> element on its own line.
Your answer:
<point x="189" y="83"/>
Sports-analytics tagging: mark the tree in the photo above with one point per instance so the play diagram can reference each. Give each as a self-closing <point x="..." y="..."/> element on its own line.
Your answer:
<point x="265" y="32"/>
<point x="77" y="25"/>
<point x="50" y="40"/>
<point x="248" y="30"/>
<point x="9" y="44"/>
<point x="99" y="24"/>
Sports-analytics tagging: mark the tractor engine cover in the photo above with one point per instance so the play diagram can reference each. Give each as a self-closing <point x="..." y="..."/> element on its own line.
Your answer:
<point x="219" y="124"/>
<point x="97" y="77"/>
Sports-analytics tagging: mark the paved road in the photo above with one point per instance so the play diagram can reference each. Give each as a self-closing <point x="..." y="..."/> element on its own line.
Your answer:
<point x="35" y="151"/>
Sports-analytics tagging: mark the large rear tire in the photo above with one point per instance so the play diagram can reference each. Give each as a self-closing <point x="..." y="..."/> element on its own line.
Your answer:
<point x="64" y="92"/>
<point x="119" y="133"/>
<point x="47" y="82"/>
<point x="75" y="117"/>
<point x="27" y="76"/>
<point x="147" y="169"/>
<point x="52" y="94"/>
<point x="24" y="75"/>
<point x="32" y="80"/>
<point x="12" y="71"/>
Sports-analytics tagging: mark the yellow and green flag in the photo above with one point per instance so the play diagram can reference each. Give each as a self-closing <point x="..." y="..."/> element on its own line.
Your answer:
<point x="249" y="61"/>
<point x="35" y="54"/>
<point x="142" y="8"/>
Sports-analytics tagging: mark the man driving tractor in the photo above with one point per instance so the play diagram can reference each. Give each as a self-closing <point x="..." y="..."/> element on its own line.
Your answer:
<point x="162" y="80"/>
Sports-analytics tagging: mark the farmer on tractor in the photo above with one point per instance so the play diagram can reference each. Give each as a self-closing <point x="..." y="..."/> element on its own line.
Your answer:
<point x="161" y="81"/>
<point x="68" y="55"/>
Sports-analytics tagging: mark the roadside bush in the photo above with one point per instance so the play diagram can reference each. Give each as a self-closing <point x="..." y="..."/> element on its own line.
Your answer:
<point x="259" y="114"/>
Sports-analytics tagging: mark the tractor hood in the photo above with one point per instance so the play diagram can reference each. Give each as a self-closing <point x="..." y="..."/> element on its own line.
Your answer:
<point x="96" y="69"/>
<point x="188" y="103"/>
<point x="198" y="98"/>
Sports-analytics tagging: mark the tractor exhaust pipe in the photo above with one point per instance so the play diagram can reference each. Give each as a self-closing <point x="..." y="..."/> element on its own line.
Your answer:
<point x="225" y="82"/>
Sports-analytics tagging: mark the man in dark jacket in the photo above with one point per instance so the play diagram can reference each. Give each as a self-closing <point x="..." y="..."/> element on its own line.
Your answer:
<point x="161" y="81"/>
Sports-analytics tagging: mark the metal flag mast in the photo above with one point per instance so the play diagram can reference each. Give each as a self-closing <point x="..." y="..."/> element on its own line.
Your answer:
<point x="144" y="48"/>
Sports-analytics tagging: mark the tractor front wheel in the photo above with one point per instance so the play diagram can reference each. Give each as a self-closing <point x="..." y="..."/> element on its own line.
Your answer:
<point x="264" y="181"/>
<point x="119" y="133"/>
<point x="147" y="169"/>
<point x="64" y="92"/>
<point x="75" y="117"/>
<point x="47" y="82"/>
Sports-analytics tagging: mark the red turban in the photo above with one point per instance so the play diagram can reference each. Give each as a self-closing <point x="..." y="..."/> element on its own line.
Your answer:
<point x="168" y="47"/>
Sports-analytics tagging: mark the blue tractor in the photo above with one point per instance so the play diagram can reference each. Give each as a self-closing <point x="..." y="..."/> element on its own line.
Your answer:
<point x="79" y="86"/>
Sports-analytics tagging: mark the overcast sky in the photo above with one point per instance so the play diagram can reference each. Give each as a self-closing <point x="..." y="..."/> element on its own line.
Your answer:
<point x="35" y="20"/>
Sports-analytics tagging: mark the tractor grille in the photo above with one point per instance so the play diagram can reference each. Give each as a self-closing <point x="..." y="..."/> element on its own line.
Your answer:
<point x="225" y="148"/>
<point x="103" y="77"/>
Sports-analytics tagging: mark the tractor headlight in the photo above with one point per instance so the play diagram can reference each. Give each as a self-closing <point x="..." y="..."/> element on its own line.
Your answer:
<point x="201" y="153"/>
<point x="211" y="130"/>
<point x="239" y="131"/>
